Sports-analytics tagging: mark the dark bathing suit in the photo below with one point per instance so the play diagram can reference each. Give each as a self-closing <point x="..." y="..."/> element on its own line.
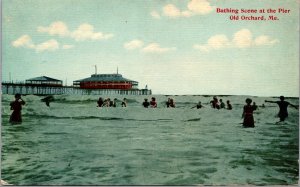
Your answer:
<point x="146" y="104"/>
<point x="283" y="113"/>
<point x="248" y="116"/>
<point x="16" y="115"/>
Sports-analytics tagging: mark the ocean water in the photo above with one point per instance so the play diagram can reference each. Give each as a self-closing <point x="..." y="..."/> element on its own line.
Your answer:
<point x="73" y="142"/>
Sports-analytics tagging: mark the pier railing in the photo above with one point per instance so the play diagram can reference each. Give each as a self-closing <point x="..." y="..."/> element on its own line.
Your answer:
<point x="25" y="89"/>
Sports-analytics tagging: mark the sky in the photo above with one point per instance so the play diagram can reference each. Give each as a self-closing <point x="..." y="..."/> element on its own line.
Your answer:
<point x="172" y="46"/>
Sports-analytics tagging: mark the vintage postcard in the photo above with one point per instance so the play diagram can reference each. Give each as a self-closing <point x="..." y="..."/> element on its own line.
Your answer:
<point x="150" y="92"/>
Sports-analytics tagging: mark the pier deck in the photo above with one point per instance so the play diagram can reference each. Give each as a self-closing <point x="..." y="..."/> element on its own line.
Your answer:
<point x="22" y="88"/>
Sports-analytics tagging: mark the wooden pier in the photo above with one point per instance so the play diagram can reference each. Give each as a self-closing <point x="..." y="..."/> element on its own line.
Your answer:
<point x="22" y="88"/>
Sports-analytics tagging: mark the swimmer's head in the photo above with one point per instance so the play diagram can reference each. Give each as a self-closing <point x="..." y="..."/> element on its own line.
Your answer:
<point x="18" y="96"/>
<point x="248" y="101"/>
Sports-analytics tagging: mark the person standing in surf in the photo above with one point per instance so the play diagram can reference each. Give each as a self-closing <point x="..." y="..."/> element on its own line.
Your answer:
<point x="168" y="102"/>
<point x="215" y="103"/>
<point x="114" y="103"/>
<point x="124" y="103"/>
<point x="248" y="114"/>
<point x="153" y="103"/>
<point x="283" y="113"/>
<point x="16" y="106"/>
<point x="100" y="102"/>
<point x="199" y="105"/>
<point x="222" y="104"/>
<point x="110" y="103"/>
<point x="229" y="106"/>
<point x="172" y="103"/>
<point x="255" y="107"/>
<point x="146" y="103"/>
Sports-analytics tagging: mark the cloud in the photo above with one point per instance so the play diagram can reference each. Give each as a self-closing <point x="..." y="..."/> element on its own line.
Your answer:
<point x="203" y="48"/>
<point x="218" y="41"/>
<point x="265" y="40"/>
<point x="214" y="42"/>
<point x="187" y="13"/>
<point x="200" y="7"/>
<point x="83" y="32"/>
<point x="50" y="45"/>
<point x="86" y="31"/>
<point x="155" y="14"/>
<point x="241" y="39"/>
<point x="150" y="48"/>
<point x="56" y="28"/>
<point x="67" y="46"/>
<point x="23" y="41"/>
<point x="156" y="48"/>
<point x="134" y="44"/>
<point x="171" y="10"/>
<point x="194" y="7"/>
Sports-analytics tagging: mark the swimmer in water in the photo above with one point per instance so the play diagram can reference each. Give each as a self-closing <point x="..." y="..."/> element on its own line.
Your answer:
<point x="283" y="105"/>
<point x="248" y="114"/>
<point x="146" y="103"/>
<point x="153" y="103"/>
<point x="199" y="105"/>
<point x="16" y="106"/>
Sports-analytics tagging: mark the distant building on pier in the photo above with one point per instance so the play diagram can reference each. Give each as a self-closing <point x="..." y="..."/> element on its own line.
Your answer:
<point x="44" y="81"/>
<point x="106" y="81"/>
<point x="97" y="84"/>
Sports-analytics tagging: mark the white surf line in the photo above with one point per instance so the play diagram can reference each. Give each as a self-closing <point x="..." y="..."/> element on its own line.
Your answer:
<point x="3" y="182"/>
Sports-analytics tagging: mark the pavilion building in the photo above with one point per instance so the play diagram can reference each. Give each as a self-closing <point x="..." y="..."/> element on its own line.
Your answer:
<point x="106" y="81"/>
<point x="44" y="81"/>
